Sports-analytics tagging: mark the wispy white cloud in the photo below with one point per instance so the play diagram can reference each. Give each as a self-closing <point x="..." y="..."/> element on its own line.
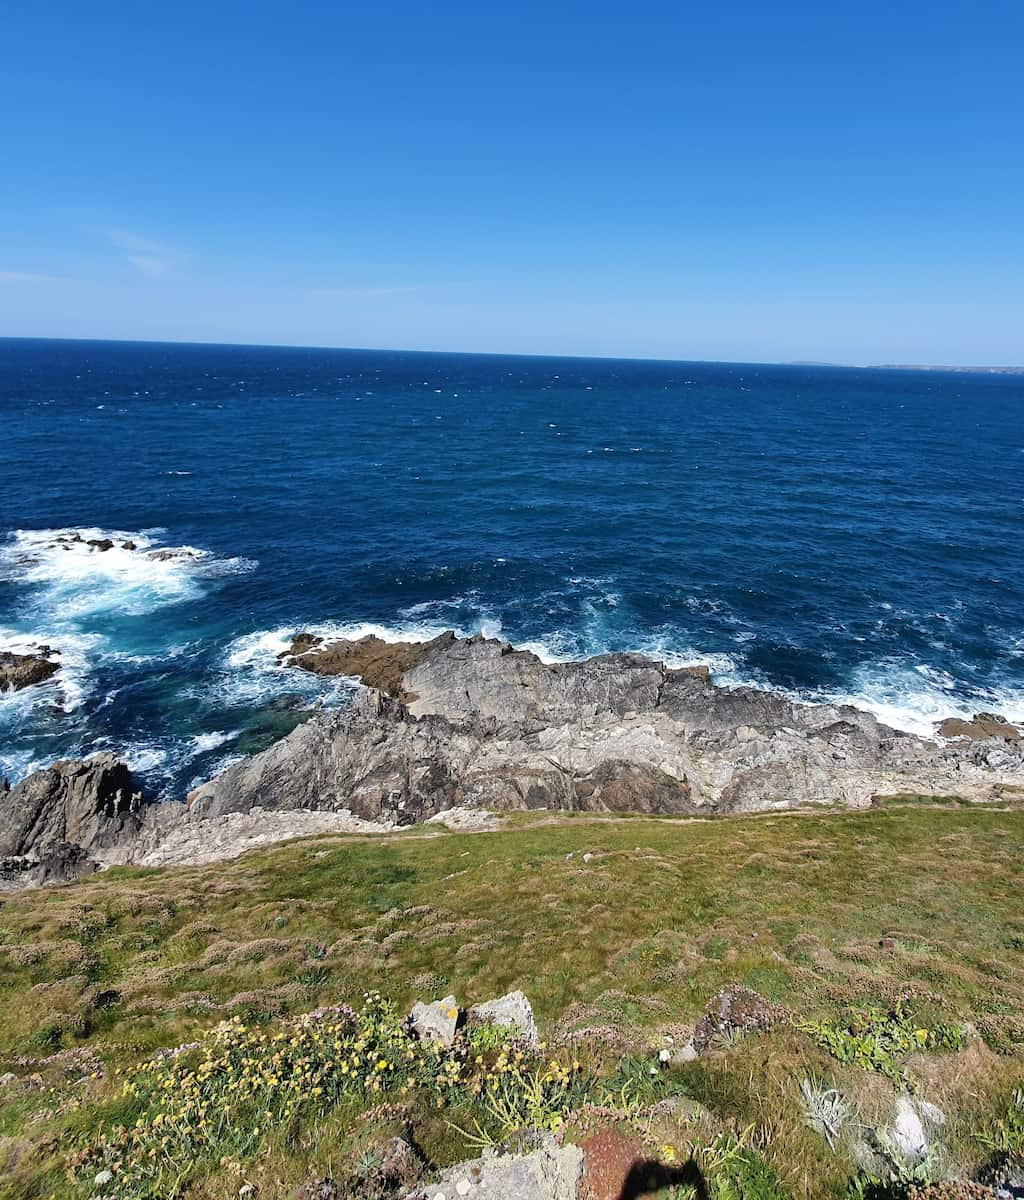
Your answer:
<point x="148" y="257"/>
<point x="150" y="264"/>
<point x="28" y="277"/>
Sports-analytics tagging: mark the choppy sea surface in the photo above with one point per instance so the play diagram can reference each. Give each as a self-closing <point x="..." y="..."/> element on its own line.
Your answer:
<point x="827" y="532"/>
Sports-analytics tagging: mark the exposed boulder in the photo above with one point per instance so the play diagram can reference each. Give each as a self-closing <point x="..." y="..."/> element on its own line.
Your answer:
<point x="551" y="1172"/>
<point x="436" y="1022"/>
<point x="512" y="1011"/>
<point x="915" y="1126"/>
<point x="617" y="1164"/>
<point x="88" y="803"/>
<point x="24" y="670"/>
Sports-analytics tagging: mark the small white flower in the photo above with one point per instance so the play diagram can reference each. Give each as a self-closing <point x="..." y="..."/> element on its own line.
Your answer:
<point x="103" y="1177"/>
<point x="663" y="1057"/>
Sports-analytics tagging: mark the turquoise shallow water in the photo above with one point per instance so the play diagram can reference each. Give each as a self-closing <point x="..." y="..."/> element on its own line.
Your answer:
<point x="825" y="531"/>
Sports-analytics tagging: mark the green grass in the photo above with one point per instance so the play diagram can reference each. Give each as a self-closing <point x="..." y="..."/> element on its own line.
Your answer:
<point x="635" y="941"/>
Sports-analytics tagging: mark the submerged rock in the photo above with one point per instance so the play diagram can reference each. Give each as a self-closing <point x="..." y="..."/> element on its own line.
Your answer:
<point x="273" y="722"/>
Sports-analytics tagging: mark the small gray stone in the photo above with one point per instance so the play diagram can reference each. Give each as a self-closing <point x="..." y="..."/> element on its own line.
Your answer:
<point x="436" y="1022"/>
<point x="8" y="1078"/>
<point x="683" y="1054"/>
<point x="909" y="1134"/>
<point x="512" y="1011"/>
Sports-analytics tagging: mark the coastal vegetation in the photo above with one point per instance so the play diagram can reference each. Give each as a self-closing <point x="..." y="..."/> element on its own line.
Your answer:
<point x="240" y="1029"/>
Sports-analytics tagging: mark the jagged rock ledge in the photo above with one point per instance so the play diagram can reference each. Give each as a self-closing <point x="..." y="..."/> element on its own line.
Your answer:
<point x="473" y="724"/>
<point x="19" y="671"/>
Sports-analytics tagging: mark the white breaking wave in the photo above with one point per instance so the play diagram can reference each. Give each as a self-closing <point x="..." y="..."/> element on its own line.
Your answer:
<point x="67" y="592"/>
<point x="73" y="581"/>
<point x="203" y="743"/>
<point x="915" y="697"/>
<point x="67" y="689"/>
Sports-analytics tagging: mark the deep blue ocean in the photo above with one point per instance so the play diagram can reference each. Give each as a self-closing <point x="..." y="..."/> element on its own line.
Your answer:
<point x="828" y="532"/>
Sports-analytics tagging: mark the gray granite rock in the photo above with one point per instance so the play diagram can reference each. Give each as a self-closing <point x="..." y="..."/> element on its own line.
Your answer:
<point x="482" y="726"/>
<point x="551" y="1172"/>
<point x="489" y="726"/>
<point x="89" y="803"/>
<point x="512" y="1011"/>
<point x="436" y="1022"/>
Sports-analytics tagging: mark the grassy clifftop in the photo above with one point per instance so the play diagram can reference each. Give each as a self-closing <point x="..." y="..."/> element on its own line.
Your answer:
<point x="625" y="928"/>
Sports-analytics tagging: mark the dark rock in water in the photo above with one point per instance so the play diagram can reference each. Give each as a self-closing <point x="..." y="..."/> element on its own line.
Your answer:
<point x="170" y="555"/>
<point x="129" y="545"/>
<point x="377" y="663"/>
<point x="981" y="726"/>
<point x="302" y="642"/>
<point x="24" y="670"/>
<point x="88" y="803"/>
<point x="100" y="544"/>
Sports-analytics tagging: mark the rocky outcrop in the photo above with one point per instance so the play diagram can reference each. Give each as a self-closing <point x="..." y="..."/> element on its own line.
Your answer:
<point x="980" y="727"/>
<point x="377" y="663"/>
<point x="475" y="726"/>
<point x="24" y="670"/>
<point x="58" y="864"/>
<point x="90" y="804"/>
<point x="484" y="725"/>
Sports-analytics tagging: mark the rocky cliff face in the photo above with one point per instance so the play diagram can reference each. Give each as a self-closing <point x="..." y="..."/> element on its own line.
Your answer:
<point x="473" y="723"/>
<point x="54" y="823"/>
<point x="484" y="724"/>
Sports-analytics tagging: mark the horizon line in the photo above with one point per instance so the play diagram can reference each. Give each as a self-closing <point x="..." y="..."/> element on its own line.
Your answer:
<point x="961" y="368"/>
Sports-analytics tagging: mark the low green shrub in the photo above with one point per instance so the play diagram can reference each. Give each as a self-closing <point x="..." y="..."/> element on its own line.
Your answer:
<point x="880" y="1038"/>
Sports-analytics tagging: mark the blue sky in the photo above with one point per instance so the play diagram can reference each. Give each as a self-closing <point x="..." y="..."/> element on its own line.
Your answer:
<point x="734" y="181"/>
